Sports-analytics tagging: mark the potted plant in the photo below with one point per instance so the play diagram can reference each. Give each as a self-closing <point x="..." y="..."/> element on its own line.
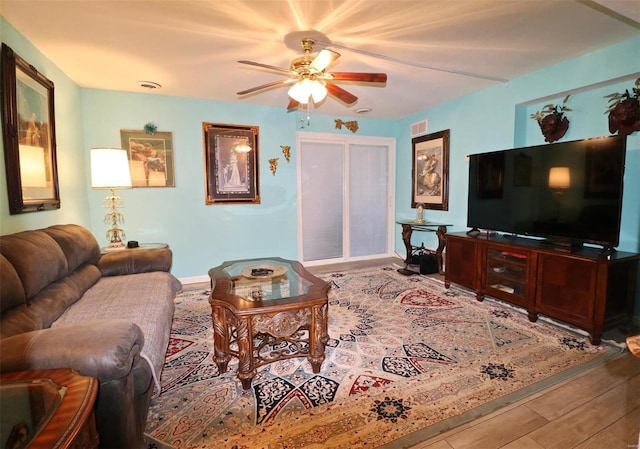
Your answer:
<point x="624" y="111"/>
<point x="552" y="121"/>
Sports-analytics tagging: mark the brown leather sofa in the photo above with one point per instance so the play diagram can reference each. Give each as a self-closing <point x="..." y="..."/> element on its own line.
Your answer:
<point x="63" y="304"/>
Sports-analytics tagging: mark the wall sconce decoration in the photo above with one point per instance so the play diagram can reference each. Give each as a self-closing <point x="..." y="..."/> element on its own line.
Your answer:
<point x="286" y="150"/>
<point x="351" y="125"/>
<point x="273" y="165"/>
<point x="552" y="120"/>
<point x="624" y="111"/>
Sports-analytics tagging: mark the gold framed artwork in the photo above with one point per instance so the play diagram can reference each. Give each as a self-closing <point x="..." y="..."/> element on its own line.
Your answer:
<point x="231" y="163"/>
<point x="150" y="157"/>
<point x="430" y="171"/>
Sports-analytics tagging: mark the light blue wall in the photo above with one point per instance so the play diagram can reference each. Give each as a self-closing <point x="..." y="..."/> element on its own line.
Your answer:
<point x="498" y="118"/>
<point x="73" y="189"/>
<point x="203" y="236"/>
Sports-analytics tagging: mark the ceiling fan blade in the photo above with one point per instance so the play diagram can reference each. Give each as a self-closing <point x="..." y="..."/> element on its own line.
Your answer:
<point x="324" y="59"/>
<point x="263" y="86"/>
<point x="355" y="76"/>
<point x="341" y="94"/>
<point x="293" y="104"/>
<point x="265" y="66"/>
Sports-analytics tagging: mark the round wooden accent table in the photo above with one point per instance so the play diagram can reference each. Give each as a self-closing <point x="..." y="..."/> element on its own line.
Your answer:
<point x="72" y="422"/>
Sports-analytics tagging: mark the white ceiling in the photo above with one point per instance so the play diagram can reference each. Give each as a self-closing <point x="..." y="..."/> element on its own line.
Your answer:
<point x="191" y="48"/>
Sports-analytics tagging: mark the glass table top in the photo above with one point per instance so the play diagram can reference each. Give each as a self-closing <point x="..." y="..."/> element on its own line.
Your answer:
<point x="27" y="406"/>
<point x="265" y="279"/>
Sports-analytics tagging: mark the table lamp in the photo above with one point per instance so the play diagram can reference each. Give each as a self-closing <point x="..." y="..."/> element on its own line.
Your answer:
<point x="110" y="170"/>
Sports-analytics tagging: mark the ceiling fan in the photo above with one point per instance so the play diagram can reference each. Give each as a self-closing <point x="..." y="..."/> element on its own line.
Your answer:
<point x="311" y="80"/>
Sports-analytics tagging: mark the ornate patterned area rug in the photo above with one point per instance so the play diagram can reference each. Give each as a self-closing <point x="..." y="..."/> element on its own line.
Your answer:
<point x="406" y="359"/>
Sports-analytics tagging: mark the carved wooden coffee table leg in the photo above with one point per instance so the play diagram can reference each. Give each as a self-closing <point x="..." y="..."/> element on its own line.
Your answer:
<point x="246" y="370"/>
<point x="221" y="354"/>
<point x="318" y="336"/>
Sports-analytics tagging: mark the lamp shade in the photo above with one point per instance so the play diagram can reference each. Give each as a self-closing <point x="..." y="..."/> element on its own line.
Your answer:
<point x="559" y="178"/>
<point x="301" y="91"/>
<point x="318" y="91"/>
<point x="33" y="170"/>
<point x="110" y="168"/>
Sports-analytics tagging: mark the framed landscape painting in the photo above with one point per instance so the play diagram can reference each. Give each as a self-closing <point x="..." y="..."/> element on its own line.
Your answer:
<point x="430" y="171"/>
<point x="150" y="157"/>
<point x="231" y="163"/>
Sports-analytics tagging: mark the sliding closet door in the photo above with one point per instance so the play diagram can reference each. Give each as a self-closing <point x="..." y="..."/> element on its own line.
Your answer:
<point x="368" y="201"/>
<point x="345" y="192"/>
<point x="321" y="200"/>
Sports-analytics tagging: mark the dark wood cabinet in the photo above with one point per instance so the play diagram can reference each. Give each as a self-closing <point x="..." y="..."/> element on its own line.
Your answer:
<point x="584" y="287"/>
<point x="464" y="270"/>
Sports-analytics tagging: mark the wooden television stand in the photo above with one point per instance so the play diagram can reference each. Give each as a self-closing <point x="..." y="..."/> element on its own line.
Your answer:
<point x="586" y="287"/>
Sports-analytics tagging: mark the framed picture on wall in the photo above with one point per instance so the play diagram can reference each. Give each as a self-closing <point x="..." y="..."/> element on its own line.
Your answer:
<point x="430" y="171"/>
<point x="29" y="138"/>
<point x="150" y="157"/>
<point x="231" y="163"/>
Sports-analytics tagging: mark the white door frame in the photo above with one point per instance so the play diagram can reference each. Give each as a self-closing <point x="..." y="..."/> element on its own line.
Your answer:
<point x="390" y="143"/>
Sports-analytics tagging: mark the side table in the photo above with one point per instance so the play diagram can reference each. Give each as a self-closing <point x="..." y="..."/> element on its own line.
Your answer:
<point x="408" y="226"/>
<point x="106" y="249"/>
<point x="48" y="409"/>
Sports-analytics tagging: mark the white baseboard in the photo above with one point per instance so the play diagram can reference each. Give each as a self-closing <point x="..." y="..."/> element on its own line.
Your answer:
<point x="195" y="280"/>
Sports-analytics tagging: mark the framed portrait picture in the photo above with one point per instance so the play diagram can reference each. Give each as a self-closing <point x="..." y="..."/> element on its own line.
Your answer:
<point x="231" y="163"/>
<point x="28" y="129"/>
<point x="150" y="157"/>
<point x="430" y="171"/>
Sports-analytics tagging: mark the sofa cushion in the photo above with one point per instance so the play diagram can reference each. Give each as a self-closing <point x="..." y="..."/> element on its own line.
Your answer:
<point x="53" y="300"/>
<point x="18" y="320"/>
<point x="145" y="299"/>
<point x="11" y="290"/>
<point x="77" y="243"/>
<point x="23" y="248"/>
<point x="105" y="349"/>
<point x="137" y="260"/>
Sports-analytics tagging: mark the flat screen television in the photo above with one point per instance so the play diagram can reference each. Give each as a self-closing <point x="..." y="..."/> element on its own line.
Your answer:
<point x="569" y="193"/>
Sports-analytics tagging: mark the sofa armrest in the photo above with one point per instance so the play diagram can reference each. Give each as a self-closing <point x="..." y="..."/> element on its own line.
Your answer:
<point x="136" y="260"/>
<point x="105" y="349"/>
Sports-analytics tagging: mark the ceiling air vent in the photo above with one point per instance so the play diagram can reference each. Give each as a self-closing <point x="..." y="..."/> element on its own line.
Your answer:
<point x="418" y="128"/>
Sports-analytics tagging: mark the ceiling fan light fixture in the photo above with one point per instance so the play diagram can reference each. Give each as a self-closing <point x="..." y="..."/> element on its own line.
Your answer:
<point x="318" y="91"/>
<point x="301" y="91"/>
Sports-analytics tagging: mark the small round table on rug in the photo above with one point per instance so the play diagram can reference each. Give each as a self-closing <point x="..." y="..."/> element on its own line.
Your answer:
<point x="265" y="310"/>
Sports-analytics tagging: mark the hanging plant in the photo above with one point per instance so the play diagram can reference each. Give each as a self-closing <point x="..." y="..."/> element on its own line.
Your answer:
<point x="624" y="111"/>
<point x="552" y="121"/>
<point x="150" y="128"/>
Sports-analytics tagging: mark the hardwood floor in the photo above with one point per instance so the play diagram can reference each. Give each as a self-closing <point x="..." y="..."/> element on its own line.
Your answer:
<point x="598" y="409"/>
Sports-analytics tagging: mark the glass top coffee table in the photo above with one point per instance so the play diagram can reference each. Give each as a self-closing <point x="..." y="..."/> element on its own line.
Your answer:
<point x="265" y="310"/>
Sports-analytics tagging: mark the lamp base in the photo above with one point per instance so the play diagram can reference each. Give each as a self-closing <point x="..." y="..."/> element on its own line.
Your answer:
<point x="115" y="236"/>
